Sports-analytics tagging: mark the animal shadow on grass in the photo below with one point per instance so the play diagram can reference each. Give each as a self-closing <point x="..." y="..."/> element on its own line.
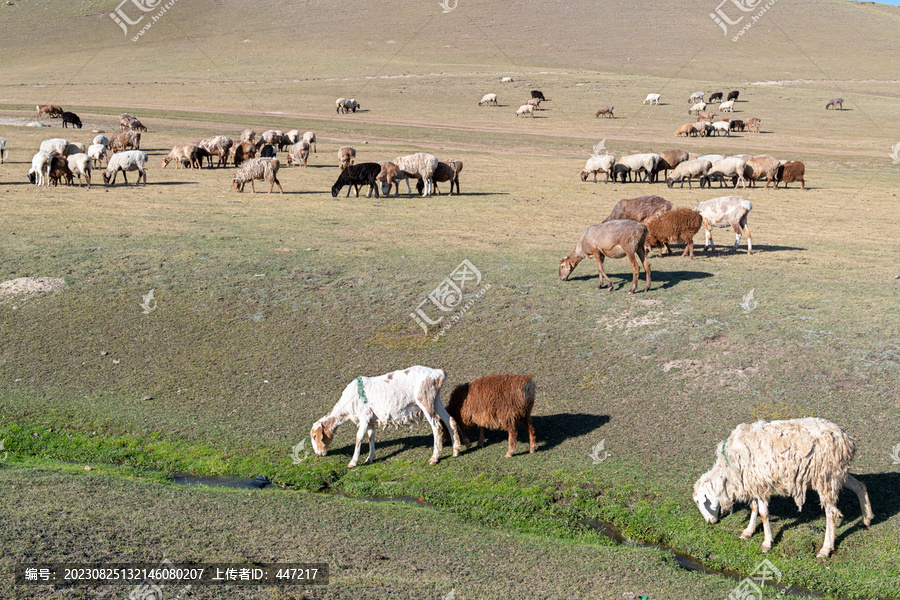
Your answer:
<point x="667" y="279"/>
<point x="882" y="496"/>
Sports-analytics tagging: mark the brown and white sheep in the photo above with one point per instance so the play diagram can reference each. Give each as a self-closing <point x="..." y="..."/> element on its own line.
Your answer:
<point x="346" y="156"/>
<point x="124" y="140"/>
<point x="723" y="212"/>
<point x="669" y="159"/>
<point x="310" y="137"/>
<point x="763" y="166"/>
<point x="788" y="458"/>
<point x="257" y="168"/>
<point x="51" y="110"/>
<point x="298" y="153"/>
<point x="753" y="124"/>
<point x="678" y="225"/>
<point x="242" y="152"/>
<point x="706" y="115"/>
<point x="606" y="112"/>
<point x="248" y="135"/>
<point x="835" y="103"/>
<point x="716" y="97"/>
<point x="638" y="209"/>
<point x="182" y="153"/>
<point x="446" y="171"/>
<point x="535" y="102"/>
<point x="612" y="239"/>
<point x="392" y="175"/>
<point x="494" y="402"/>
<point x="220" y="146"/>
<point x="420" y="165"/>
<point x="789" y="172"/>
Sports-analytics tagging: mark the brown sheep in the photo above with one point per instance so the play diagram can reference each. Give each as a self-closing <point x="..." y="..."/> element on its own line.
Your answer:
<point x="763" y="166"/>
<point x="638" y="209"/>
<point x="674" y="226"/>
<point x="835" y="103"/>
<point x="243" y="151"/>
<point x="59" y="168"/>
<point x="685" y="130"/>
<point x="123" y="140"/>
<point x="753" y="124"/>
<point x="669" y="159"/>
<point x="51" y="110"/>
<point x="737" y="125"/>
<point x="495" y="402"/>
<point x="706" y="115"/>
<point x="791" y="171"/>
<point x="183" y="153"/>
<point x="446" y="171"/>
<point x="606" y="112"/>
<point x="613" y="239"/>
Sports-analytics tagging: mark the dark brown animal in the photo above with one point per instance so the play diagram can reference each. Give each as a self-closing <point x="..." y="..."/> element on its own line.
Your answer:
<point x="123" y="140"/>
<point x="791" y="171"/>
<point x="669" y="159"/>
<point x="51" y="110"/>
<point x="714" y="97"/>
<point x="638" y="209"/>
<point x="538" y="94"/>
<point x="494" y="402"/>
<point x="70" y="118"/>
<point x="835" y="103"/>
<point x="446" y="171"/>
<point x="243" y="151"/>
<point x="59" y="169"/>
<point x="678" y="225"/>
<point x="737" y="125"/>
<point x="605" y="112"/>
<point x="613" y="239"/>
<point x="733" y="95"/>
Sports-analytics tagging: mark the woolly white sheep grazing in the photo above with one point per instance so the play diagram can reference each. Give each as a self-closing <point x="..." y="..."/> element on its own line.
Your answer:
<point x="403" y="397"/>
<point x="729" y="167"/>
<point x="725" y="211"/>
<point x="688" y="170"/>
<point x="599" y="164"/>
<point x="292" y="137"/>
<point x="635" y="163"/>
<point x="698" y="96"/>
<point x="489" y="100"/>
<point x="420" y="165"/>
<point x="257" y="168"/>
<point x="727" y="106"/>
<point x="128" y="160"/>
<point x="80" y="164"/>
<point x="697" y="107"/>
<point x="310" y="137"/>
<point x="652" y="99"/>
<point x="101" y="139"/>
<point x="97" y="152"/>
<point x="787" y="457"/>
<point x="57" y="146"/>
<point x="525" y="109"/>
<point x="506" y="80"/>
<point x="40" y="168"/>
<point x="76" y="148"/>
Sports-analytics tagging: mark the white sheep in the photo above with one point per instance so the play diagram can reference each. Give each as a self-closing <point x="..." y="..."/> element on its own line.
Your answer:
<point x="39" y="174"/>
<point x="727" y="106"/>
<point x="80" y="164"/>
<point x="347" y="105"/>
<point x="248" y="135"/>
<point x="57" y="146"/>
<point x="298" y="153"/>
<point x="489" y="100"/>
<point x="728" y="167"/>
<point x="697" y="107"/>
<point x="698" y="96"/>
<point x="76" y="148"/>
<point x="688" y="170"/>
<point x="525" y="109"/>
<point x="403" y="397"/>
<point x="713" y="158"/>
<point x="36" y="124"/>
<point x="3" y="153"/>
<point x="723" y="212"/>
<point x="635" y="163"/>
<point x="420" y="165"/>
<point x="127" y="160"/>
<point x="599" y="164"/>
<point x="291" y="137"/>
<point x="257" y="168"/>
<point x="787" y="457"/>
<point x="101" y="139"/>
<point x="720" y="126"/>
<point x="506" y="80"/>
<point x="652" y="99"/>
<point x="310" y="137"/>
<point x="97" y="152"/>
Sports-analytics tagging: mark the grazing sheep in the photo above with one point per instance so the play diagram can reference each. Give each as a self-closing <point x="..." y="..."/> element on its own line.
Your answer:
<point x="51" y="110"/>
<point x="420" y="165"/>
<point x="182" y="153"/>
<point x="242" y="152"/>
<point x="787" y="457"/>
<point x="298" y="153"/>
<point x="3" y="153"/>
<point x="80" y="164"/>
<point x="685" y="130"/>
<point x="525" y="109"/>
<point x="727" y="106"/>
<point x="220" y="146"/>
<point x="671" y="227"/>
<point x="538" y="94"/>
<point x="753" y="124"/>
<point x="123" y="140"/>
<point x="599" y="164"/>
<point x="506" y="80"/>
<point x="763" y="166"/>
<point x="446" y="171"/>
<point x="57" y="146"/>
<point x="97" y="153"/>
<point x="652" y="99"/>
<point x="346" y="156"/>
<point x="706" y="115"/>
<point x="125" y="119"/>
<point x="701" y="106"/>
<point x="535" y="102"/>
<point x="346" y="105"/>
<point x="717" y="97"/>
<point x="688" y="170"/>
<point x="389" y="175"/>
<point x="733" y="167"/>
<point x="606" y="112"/>
<point x="36" y="124"/>
<point x="257" y="168"/>
<point x="669" y="159"/>
<point x="733" y="95"/>
<point x="76" y="148"/>
<point x="129" y="160"/>
<point x="719" y="127"/>
<point x="271" y="137"/>
<point x="695" y="97"/>
<point x="613" y="239"/>
<point x="310" y="137"/>
<point x="835" y="103"/>
<point x="791" y="171"/>
<point x="494" y="402"/>
<point x="39" y="174"/>
<point x="248" y="135"/>
<point x="637" y="163"/>
<point x="59" y="169"/>
<point x="638" y="209"/>
<point x="356" y="176"/>
<point x="290" y="138"/>
<point x="737" y="125"/>
<point x="713" y="158"/>
<point x="133" y="124"/>
<point x="723" y="212"/>
<point x="101" y="139"/>
<point x="488" y="100"/>
<point x="70" y="118"/>
<point x="701" y="128"/>
<point x="403" y="397"/>
<point x="268" y="151"/>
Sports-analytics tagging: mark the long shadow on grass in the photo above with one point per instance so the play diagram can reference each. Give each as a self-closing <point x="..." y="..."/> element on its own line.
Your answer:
<point x="659" y="280"/>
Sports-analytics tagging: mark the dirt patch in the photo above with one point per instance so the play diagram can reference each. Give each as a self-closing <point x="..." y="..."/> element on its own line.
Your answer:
<point x="28" y="285"/>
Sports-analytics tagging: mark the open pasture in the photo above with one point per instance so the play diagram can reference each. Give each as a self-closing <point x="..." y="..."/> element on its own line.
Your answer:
<point x="265" y="306"/>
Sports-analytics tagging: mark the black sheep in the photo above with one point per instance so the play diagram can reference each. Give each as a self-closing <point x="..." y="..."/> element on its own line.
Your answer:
<point x="357" y="176"/>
